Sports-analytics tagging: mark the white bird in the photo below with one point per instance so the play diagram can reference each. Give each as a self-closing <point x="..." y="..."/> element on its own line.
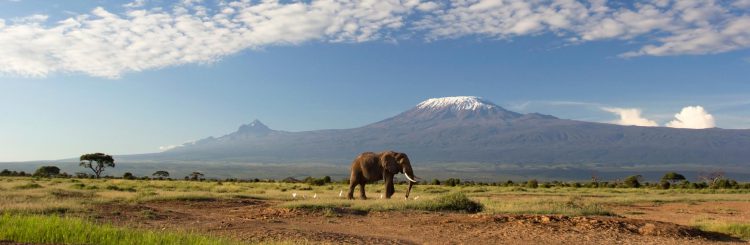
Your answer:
<point x="341" y="193"/>
<point x="417" y="197"/>
<point x="294" y="195"/>
<point x="381" y="195"/>
<point x="316" y="195"/>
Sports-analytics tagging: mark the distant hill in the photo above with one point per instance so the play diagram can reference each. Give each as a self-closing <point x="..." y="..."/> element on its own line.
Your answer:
<point x="473" y="130"/>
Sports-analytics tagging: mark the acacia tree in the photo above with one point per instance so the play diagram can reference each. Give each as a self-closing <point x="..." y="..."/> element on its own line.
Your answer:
<point x="196" y="175"/>
<point x="161" y="174"/>
<point x="97" y="162"/>
<point x="672" y="177"/>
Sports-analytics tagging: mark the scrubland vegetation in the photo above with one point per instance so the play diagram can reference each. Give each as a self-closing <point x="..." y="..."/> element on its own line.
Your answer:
<point x="45" y="202"/>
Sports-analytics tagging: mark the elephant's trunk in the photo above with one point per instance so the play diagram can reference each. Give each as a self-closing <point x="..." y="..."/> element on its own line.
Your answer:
<point x="409" y="190"/>
<point x="409" y="173"/>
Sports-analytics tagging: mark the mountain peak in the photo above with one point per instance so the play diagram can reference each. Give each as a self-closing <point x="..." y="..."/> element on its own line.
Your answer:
<point x="254" y="127"/>
<point x="456" y="103"/>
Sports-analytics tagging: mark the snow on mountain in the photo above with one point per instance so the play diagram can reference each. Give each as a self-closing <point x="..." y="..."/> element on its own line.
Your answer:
<point x="456" y="103"/>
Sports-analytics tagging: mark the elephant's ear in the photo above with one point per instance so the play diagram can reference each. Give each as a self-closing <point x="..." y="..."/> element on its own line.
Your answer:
<point x="389" y="163"/>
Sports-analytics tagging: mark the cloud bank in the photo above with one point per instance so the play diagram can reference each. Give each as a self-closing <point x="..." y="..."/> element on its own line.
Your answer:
<point x="694" y="117"/>
<point x="102" y="43"/>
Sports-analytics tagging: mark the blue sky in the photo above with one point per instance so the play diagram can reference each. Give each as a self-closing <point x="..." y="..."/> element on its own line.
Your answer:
<point x="100" y="76"/>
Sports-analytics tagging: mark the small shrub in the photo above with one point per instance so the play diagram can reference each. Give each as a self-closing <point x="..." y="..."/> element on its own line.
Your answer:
<point x="78" y="186"/>
<point x="532" y="184"/>
<point x="633" y="181"/>
<point x="128" y="175"/>
<point x="664" y="184"/>
<point x="450" y="202"/>
<point x="149" y="214"/>
<point x="452" y="182"/>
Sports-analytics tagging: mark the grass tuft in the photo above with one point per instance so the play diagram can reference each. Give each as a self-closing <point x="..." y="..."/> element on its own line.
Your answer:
<point x="60" y="193"/>
<point x="27" y="186"/>
<point x="117" y="188"/>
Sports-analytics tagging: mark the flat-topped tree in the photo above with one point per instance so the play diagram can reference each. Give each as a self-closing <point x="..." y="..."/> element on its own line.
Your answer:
<point x="161" y="174"/>
<point x="672" y="177"/>
<point x="97" y="162"/>
<point x="196" y="175"/>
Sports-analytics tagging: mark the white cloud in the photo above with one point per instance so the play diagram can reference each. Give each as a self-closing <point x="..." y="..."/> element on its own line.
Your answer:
<point x="630" y="116"/>
<point x="106" y="44"/>
<point x="692" y="117"/>
<point x="428" y="6"/>
<point x="135" y="4"/>
<point x="664" y="27"/>
<point x="741" y="3"/>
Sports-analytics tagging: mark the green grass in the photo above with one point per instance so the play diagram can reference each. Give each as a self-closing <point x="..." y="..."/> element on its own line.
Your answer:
<point x="449" y="202"/>
<point x="733" y="229"/>
<point x="454" y="202"/>
<point x="67" y="230"/>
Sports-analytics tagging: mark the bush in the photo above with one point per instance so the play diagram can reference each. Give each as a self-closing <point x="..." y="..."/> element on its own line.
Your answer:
<point x="316" y="181"/>
<point x="435" y="182"/>
<point x="724" y="184"/>
<point x="532" y="183"/>
<point x="128" y="175"/>
<point x="633" y="181"/>
<point x="47" y="171"/>
<point x="664" y="184"/>
<point x="450" y="202"/>
<point x="452" y="182"/>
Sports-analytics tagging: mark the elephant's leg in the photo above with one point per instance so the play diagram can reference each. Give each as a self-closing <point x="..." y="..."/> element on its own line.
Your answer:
<point x="352" y="185"/>
<point x="362" y="191"/>
<point x="389" y="189"/>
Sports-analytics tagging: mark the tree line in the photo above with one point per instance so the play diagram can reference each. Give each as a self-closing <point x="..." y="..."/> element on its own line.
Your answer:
<point x="99" y="162"/>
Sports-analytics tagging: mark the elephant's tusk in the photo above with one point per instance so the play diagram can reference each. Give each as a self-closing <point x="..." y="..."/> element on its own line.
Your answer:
<point x="410" y="179"/>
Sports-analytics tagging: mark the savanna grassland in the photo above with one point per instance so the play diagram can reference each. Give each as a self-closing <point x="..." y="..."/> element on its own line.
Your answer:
<point x="118" y="211"/>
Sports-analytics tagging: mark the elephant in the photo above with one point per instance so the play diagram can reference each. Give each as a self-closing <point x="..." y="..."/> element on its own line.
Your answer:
<point x="371" y="167"/>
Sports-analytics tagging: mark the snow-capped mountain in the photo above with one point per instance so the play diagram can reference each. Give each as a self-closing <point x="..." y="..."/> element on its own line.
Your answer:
<point x="471" y="129"/>
<point x="457" y="103"/>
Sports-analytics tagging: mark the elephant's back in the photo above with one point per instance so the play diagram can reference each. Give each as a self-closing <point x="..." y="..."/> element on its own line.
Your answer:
<point x="365" y="158"/>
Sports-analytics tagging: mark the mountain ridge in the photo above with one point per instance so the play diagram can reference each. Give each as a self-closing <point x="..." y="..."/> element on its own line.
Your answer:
<point x="471" y="129"/>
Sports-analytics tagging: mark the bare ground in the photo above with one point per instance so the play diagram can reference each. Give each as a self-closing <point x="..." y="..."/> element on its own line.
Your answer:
<point x="261" y="220"/>
<point x="690" y="212"/>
